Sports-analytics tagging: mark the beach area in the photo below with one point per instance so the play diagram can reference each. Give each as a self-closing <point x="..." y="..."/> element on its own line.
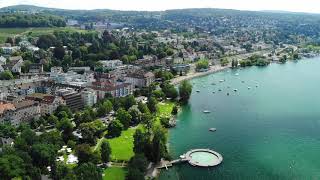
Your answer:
<point x="193" y="74"/>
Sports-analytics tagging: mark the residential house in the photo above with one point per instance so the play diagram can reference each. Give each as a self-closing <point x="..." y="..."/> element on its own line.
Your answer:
<point x="111" y="64"/>
<point x="48" y="103"/>
<point x="89" y="97"/>
<point x="108" y="84"/>
<point x="36" y="68"/>
<point x="140" y="78"/>
<point x="15" y="63"/>
<point x="19" y="111"/>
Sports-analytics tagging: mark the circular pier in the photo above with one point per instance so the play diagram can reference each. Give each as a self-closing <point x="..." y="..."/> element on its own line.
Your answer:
<point x="203" y="158"/>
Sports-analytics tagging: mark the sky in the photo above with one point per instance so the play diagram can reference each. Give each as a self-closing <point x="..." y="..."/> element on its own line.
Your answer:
<point x="312" y="6"/>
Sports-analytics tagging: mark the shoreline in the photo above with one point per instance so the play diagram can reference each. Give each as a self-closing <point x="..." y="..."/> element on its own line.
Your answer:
<point x="213" y="69"/>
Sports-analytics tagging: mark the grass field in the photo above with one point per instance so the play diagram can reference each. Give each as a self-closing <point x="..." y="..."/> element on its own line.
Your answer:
<point x="115" y="173"/>
<point x="165" y="109"/>
<point x="33" y="32"/>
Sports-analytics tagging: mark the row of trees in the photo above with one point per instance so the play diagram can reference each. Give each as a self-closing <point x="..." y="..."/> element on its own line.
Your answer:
<point x="14" y="20"/>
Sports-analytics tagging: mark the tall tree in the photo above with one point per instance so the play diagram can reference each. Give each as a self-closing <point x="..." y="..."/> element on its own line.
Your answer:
<point x="185" y="90"/>
<point x="87" y="171"/>
<point x="105" y="151"/>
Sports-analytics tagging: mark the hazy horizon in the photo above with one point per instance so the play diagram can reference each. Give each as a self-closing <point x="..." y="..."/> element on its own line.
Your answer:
<point x="308" y="6"/>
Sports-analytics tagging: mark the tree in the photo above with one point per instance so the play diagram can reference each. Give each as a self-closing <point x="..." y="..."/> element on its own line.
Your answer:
<point x="129" y="101"/>
<point x="61" y="171"/>
<point x="159" y="148"/>
<point x="52" y="137"/>
<point x="66" y="127"/>
<point x="185" y="90"/>
<point x="90" y="131"/>
<point x="7" y="131"/>
<point x="158" y="94"/>
<point x="85" y="154"/>
<point x="105" y="151"/>
<point x="11" y="166"/>
<point x="135" y="174"/>
<point x="138" y="161"/>
<point x="139" y="141"/>
<point x="174" y="110"/>
<point x="152" y="104"/>
<point x="224" y="62"/>
<point x="124" y="117"/>
<point x="104" y="108"/>
<point x="64" y="108"/>
<point x="46" y="41"/>
<point x="59" y="52"/>
<point x="202" y="64"/>
<point x="136" y="116"/>
<point x="115" y="128"/>
<point x="137" y="167"/>
<point x="87" y="171"/>
<point x="10" y="40"/>
<point x="143" y="108"/>
<point x="43" y="155"/>
<point x="6" y="75"/>
<point x="169" y="90"/>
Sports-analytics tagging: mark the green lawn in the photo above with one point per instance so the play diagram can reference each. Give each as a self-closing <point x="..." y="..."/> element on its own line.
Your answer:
<point x="164" y="108"/>
<point x="114" y="173"/>
<point x="122" y="147"/>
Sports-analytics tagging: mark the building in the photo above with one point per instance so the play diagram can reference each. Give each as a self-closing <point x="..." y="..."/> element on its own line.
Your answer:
<point x="10" y="50"/>
<point x="72" y="98"/>
<point x="140" y="78"/>
<point x="15" y="63"/>
<point x="109" y="84"/>
<point x="36" y="68"/>
<point x="111" y="64"/>
<point x="150" y="61"/>
<point x="89" y="97"/>
<point x="19" y="111"/>
<point x="80" y="69"/>
<point x="48" y="103"/>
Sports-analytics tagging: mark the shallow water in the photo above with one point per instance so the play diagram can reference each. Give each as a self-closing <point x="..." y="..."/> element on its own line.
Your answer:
<point x="270" y="131"/>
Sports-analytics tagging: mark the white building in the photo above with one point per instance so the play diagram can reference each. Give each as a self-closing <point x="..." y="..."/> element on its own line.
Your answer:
<point x="89" y="97"/>
<point x="111" y="64"/>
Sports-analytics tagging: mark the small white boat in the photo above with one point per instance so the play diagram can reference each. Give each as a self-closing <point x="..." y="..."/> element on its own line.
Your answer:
<point x="249" y="87"/>
<point x="197" y="90"/>
<point x="235" y="90"/>
<point x="221" y="80"/>
<point x="212" y="129"/>
<point x="206" y="111"/>
<point x="237" y="74"/>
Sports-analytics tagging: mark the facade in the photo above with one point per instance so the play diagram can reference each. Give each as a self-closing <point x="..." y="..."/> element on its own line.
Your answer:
<point x="19" y="111"/>
<point x="108" y="84"/>
<point x="48" y="103"/>
<point x="89" y="97"/>
<point x="72" y="98"/>
<point x="36" y="68"/>
<point x="15" y="63"/>
<point x="111" y="64"/>
<point x="140" y="78"/>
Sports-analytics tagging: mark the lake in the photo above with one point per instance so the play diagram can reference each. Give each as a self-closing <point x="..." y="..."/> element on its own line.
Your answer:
<point x="270" y="131"/>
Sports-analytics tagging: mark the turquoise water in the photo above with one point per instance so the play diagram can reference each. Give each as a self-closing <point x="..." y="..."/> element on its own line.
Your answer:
<point x="267" y="132"/>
